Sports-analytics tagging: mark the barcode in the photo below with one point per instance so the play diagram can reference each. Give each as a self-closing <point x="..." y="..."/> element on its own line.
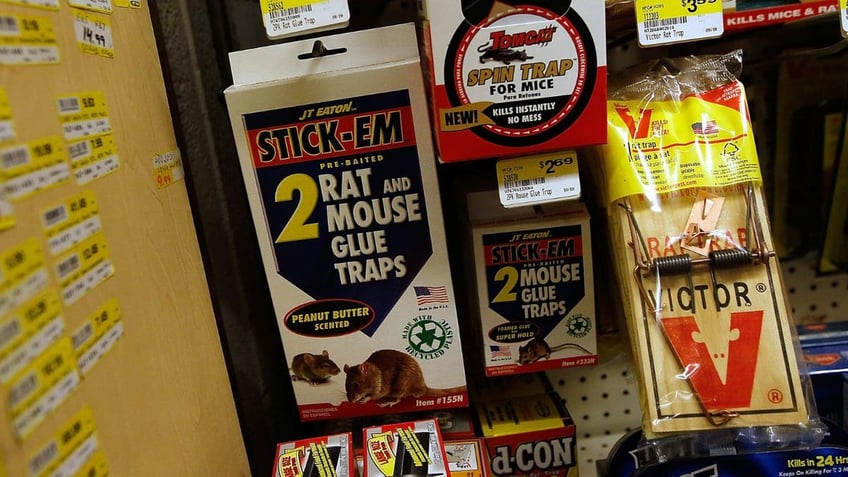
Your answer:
<point x="9" y="332"/>
<point x="69" y="105"/>
<point x="666" y="22"/>
<point x="524" y="183"/>
<point x="78" y="150"/>
<point x="54" y="216"/>
<point x="82" y="335"/>
<point x="23" y="389"/>
<point x="15" y="157"/>
<point x="9" y="25"/>
<point x="68" y="266"/>
<point x="43" y="458"/>
<point x="289" y="12"/>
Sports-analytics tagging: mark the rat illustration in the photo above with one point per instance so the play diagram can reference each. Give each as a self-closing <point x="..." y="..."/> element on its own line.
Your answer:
<point x="504" y="55"/>
<point x="538" y="348"/>
<point x="315" y="368"/>
<point x="388" y="376"/>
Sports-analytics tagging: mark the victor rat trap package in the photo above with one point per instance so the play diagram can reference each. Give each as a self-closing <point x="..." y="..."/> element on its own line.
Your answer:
<point x="535" y="294"/>
<point x="406" y="449"/>
<point x="705" y="302"/>
<point x="509" y="78"/>
<point x="335" y="149"/>
<point x="316" y="457"/>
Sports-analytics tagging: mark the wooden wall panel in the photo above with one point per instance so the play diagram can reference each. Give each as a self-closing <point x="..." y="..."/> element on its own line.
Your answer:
<point x="161" y="398"/>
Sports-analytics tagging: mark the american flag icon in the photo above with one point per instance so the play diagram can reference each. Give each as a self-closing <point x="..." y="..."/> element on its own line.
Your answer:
<point x="500" y="351"/>
<point x="428" y="295"/>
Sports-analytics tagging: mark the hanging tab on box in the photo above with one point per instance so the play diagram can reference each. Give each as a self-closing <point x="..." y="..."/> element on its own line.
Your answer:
<point x="283" y="18"/>
<point x="661" y="22"/>
<point x="538" y="179"/>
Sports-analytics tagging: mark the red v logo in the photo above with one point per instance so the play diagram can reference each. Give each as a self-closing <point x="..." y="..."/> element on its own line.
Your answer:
<point x="638" y="128"/>
<point x="736" y="392"/>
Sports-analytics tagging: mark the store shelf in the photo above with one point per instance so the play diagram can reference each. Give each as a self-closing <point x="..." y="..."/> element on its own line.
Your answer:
<point x="603" y="401"/>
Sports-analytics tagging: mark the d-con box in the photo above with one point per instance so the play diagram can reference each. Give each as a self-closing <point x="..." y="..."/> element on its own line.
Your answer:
<point x="510" y="78"/>
<point x="535" y="289"/>
<point x="336" y="154"/>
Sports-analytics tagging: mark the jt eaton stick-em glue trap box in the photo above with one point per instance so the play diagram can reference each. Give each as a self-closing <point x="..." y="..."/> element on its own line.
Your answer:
<point x="511" y="78"/>
<point x="318" y="456"/>
<point x="534" y="279"/>
<point x="337" y="159"/>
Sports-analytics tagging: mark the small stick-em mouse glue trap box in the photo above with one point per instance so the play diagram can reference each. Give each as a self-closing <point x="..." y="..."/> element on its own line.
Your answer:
<point x="319" y="456"/>
<point x="336" y="154"/>
<point x="407" y="449"/>
<point x="513" y="78"/>
<point x="535" y="285"/>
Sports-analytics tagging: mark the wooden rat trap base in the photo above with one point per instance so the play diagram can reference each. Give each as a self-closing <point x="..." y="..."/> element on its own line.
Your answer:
<point x="711" y="333"/>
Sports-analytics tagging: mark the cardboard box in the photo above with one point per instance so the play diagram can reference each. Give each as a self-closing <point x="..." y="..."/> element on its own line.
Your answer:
<point x="534" y="287"/>
<point x="467" y="458"/>
<point x="512" y="80"/>
<point x="337" y="160"/>
<point x="316" y="456"/>
<point x="528" y="435"/>
<point x="404" y="450"/>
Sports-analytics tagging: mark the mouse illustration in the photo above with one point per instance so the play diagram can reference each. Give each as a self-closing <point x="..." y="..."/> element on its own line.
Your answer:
<point x="388" y="376"/>
<point x="538" y="348"/>
<point x="314" y="368"/>
<point x="504" y="55"/>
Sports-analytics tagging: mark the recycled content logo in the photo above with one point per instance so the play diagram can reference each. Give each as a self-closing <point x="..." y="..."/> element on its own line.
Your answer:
<point x="578" y="325"/>
<point x="427" y="338"/>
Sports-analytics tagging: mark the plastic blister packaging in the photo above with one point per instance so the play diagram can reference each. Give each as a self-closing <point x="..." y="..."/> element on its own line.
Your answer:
<point x="706" y="310"/>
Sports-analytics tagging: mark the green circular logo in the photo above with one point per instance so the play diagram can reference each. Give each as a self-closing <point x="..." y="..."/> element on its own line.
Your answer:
<point x="427" y="338"/>
<point x="578" y="325"/>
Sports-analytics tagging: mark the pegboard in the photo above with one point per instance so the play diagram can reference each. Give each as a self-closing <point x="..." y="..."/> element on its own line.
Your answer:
<point x="603" y="401"/>
<point x="815" y="298"/>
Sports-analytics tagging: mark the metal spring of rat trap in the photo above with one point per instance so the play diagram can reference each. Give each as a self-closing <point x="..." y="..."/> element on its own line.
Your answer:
<point x="683" y="264"/>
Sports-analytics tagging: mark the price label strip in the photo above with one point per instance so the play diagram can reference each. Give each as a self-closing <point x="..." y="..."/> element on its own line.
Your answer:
<point x="167" y="168"/>
<point x="42" y="387"/>
<point x="97" y="335"/>
<point x="32" y="167"/>
<point x="27" y="40"/>
<point x="93" y="34"/>
<point x="83" y="115"/>
<point x="28" y="331"/>
<point x="100" y="6"/>
<point x="70" y="222"/>
<point x="93" y="158"/>
<point x="661" y="22"/>
<point x="284" y="18"/>
<point x="7" y="126"/>
<point x="72" y="450"/>
<point x="538" y="179"/>
<point x="22" y="274"/>
<point x="86" y="265"/>
<point x="45" y="4"/>
<point x="95" y="467"/>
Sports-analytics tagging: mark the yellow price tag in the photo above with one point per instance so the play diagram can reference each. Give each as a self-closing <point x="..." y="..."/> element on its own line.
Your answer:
<point x="538" y="179"/>
<point x="660" y="22"/>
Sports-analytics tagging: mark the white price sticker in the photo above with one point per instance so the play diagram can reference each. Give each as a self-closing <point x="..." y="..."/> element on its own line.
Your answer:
<point x="284" y="18"/>
<point x="538" y="179"/>
<point x="661" y="22"/>
<point x="94" y="34"/>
